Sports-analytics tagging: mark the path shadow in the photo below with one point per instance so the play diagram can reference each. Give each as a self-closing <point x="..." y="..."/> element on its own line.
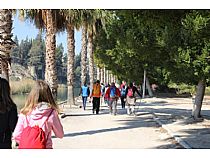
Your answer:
<point x="131" y="123"/>
<point x="196" y="137"/>
<point x="70" y="115"/>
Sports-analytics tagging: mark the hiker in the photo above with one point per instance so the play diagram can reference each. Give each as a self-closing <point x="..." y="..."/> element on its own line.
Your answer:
<point x="105" y="99"/>
<point x="102" y="93"/>
<point x="123" y="84"/>
<point x="131" y="99"/>
<point x="40" y="109"/>
<point x="123" y="96"/>
<point x="8" y="115"/>
<point x="112" y="95"/>
<point x="85" y="91"/>
<point x="96" y="94"/>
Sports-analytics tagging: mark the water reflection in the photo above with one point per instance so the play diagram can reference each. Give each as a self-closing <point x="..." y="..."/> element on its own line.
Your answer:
<point x="62" y="96"/>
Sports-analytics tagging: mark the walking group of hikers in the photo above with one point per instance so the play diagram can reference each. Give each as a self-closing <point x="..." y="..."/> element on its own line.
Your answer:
<point x="37" y="119"/>
<point x="39" y="116"/>
<point x="110" y="94"/>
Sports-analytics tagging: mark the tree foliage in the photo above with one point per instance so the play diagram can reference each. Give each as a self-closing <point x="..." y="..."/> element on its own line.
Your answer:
<point x="172" y="45"/>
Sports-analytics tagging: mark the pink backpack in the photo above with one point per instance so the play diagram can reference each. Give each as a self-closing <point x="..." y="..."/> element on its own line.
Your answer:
<point x="130" y="92"/>
<point x="33" y="137"/>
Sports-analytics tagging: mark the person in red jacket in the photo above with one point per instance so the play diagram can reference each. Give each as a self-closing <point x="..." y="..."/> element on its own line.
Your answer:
<point x="112" y="95"/>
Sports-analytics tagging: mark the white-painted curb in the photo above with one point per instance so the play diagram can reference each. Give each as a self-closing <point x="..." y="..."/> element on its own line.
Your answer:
<point x="171" y="133"/>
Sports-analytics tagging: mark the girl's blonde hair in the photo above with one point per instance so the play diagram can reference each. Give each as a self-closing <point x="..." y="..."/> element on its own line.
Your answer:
<point x="40" y="93"/>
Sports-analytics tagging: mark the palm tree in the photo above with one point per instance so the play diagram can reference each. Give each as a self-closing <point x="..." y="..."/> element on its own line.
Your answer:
<point x="71" y="22"/>
<point x="6" y="42"/>
<point x="84" y="52"/>
<point x="52" y="21"/>
<point x="70" y="63"/>
<point x="91" y="60"/>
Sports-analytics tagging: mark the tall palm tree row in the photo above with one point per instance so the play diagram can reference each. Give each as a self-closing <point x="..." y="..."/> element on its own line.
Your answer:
<point x="95" y="19"/>
<point x="6" y="42"/>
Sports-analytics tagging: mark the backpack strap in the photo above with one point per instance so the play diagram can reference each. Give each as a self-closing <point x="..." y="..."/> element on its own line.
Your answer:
<point x="27" y="122"/>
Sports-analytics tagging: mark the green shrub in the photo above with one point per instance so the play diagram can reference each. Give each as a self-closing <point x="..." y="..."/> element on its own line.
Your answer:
<point x="184" y="88"/>
<point x="207" y="92"/>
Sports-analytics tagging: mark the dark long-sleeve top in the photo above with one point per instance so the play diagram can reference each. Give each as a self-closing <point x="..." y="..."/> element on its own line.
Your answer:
<point x="8" y="121"/>
<point x="135" y="90"/>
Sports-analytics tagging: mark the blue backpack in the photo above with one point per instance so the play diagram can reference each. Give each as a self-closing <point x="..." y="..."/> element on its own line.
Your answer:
<point x="85" y="91"/>
<point x="123" y="92"/>
<point x="112" y="92"/>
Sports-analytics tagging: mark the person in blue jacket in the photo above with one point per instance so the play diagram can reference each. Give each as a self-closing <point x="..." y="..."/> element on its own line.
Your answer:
<point x="85" y="91"/>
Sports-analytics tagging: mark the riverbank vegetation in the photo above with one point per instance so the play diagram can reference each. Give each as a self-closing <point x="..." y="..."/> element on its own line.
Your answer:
<point x="21" y="87"/>
<point x="24" y="86"/>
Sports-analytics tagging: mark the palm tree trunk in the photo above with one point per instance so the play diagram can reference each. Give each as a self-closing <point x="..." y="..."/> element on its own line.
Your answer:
<point x="105" y="76"/>
<point x="50" y="69"/>
<point x="84" y="56"/>
<point x="91" y="60"/>
<point x="102" y="75"/>
<point x="70" y="65"/>
<point x="6" y="42"/>
<point x="98" y="74"/>
<point x="199" y="99"/>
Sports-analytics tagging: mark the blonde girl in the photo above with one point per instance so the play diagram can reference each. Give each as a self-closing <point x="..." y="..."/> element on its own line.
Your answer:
<point x="39" y="105"/>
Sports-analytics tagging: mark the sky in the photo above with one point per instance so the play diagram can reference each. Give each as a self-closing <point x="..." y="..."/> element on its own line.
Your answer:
<point x="23" y="29"/>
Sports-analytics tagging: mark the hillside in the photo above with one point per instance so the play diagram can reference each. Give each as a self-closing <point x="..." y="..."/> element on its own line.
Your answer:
<point x="19" y="72"/>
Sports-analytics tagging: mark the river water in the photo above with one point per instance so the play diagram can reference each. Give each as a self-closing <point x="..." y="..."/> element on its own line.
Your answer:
<point x="20" y="99"/>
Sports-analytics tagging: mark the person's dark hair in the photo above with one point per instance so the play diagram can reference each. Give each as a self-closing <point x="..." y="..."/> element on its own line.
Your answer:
<point x="6" y="103"/>
<point x="131" y="85"/>
<point x="98" y="81"/>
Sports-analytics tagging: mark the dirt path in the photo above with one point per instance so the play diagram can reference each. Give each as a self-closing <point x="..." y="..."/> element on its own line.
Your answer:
<point x="83" y="130"/>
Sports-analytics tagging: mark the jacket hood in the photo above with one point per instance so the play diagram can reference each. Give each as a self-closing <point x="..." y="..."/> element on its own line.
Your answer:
<point x="41" y="110"/>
